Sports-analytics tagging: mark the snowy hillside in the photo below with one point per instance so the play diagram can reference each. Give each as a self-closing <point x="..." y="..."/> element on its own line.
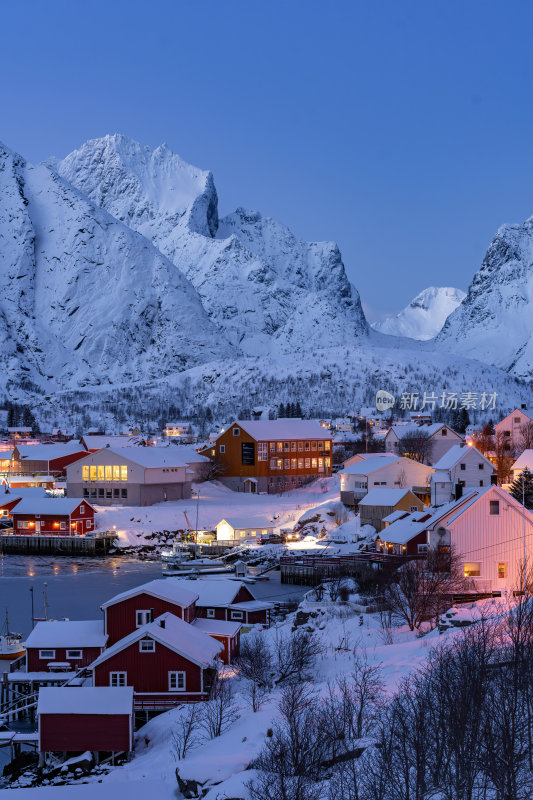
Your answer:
<point x="264" y="287"/>
<point x="85" y="299"/>
<point x="495" y="321"/>
<point x="425" y="315"/>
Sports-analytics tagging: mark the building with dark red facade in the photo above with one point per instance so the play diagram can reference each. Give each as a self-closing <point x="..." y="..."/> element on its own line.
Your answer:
<point x="53" y="515"/>
<point x="64" y="645"/>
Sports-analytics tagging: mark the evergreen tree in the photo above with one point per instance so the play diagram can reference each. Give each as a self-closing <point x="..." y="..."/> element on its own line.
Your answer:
<point x="516" y="489"/>
<point x="298" y="410"/>
<point x="281" y="412"/>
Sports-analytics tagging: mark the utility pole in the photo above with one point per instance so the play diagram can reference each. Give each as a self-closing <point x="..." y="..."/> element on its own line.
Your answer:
<point x="32" y="611"/>
<point x="524" y="531"/>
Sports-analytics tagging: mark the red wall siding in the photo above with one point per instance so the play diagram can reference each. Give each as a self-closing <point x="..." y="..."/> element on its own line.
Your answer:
<point x="412" y="546"/>
<point x="59" y="464"/>
<point x="148" y="672"/>
<point x="201" y="611"/>
<point x="121" y="617"/>
<point x="83" y="522"/>
<point x="36" y="664"/>
<point x="80" y="732"/>
<point x="244" y="595"/>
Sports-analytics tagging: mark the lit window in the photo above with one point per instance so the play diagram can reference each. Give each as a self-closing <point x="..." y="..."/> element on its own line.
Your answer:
<point x="74" y="654"/>
<point x="93" y="472"/>
<point x="293" y="463"/>
<point x="176" y="681"/>
<point x="262" y="451"/>
<point x="300" y="463"/>
<point x="472" y="569"/>
<point x="100" y="472"/>
<point x="279" y="447"/>
<point x="116" y="472"/>
<point x="327" y="445"/>
<point x="123" y="473"/>
<point x="243" y="533"/>
<point x="279" y="463"/>
<point x="147" y="646"/>
<point x="254" y="533"/>
<point x="272" y="447"/>
<point x="118" y="678"/>
<point x="307" y="463"/>
<point x="108" y="472"/>
<point x="313" y="463"/>
<point x="502" y="570"/>
<point x="313" y="445"/>
<point x="85" y="472"/>
<point x="300" y="446"/>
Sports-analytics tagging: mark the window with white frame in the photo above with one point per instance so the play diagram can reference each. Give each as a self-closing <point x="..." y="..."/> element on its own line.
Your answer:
<point x="222" y="448"/>
<point x="211" y="613"/>
<point x="147" y="646"/>
<point x="422" y="548"/>
<point x="143" y="617"/>
<point x="74" y="653"/>
<point x="236" y="614"/>
<point x="118" y="678"/>
<point x="262" y="451"/>
<point x="47" y="653"/>
<point x="176" y="681"/>
<point x="236" y="432"/>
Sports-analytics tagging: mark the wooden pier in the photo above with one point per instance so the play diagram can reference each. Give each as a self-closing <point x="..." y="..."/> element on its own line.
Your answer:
<point x="96" y="544"/>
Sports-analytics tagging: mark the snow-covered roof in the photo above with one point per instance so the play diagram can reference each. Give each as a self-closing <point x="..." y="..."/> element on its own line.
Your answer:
<point x="413" y="430"/>
<point x="246" y="523"/>
<point x="85" y="700"/>
<point x="282" y="429"/>
<point x="48" y="505"/>
<point x="369" y="465"/>
<point x="383" y="497"/>
<point x="395" y="515"/>
<point x="217" y="627"/>
<point x="214" y="592"/>
<point x="523" y="461"/>
<point x="455" y="454"/>
<point x="68" y="633"/>
<point x="154" y="457"/>
<point x="47" y="452"/>
<point x="172" y="589"/>
<point x="6" y="455"/>
<point x="28" y="492"/>
<point x="251" y="605"/>
<point x="172" y="632"/>
<point x="403" y="530"/>
<point x="96" y="442"/>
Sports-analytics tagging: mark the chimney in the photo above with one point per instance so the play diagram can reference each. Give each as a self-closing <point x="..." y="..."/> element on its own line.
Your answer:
<point x="524" y="407"/>
<point x="162" y="622"/>
<point x="458" y="491"/>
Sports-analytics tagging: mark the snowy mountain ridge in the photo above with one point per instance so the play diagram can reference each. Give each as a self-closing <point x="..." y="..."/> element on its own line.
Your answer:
<point x="266" y="289"/>
<point x="425" y="315"/>
<point x="494" y="323"/>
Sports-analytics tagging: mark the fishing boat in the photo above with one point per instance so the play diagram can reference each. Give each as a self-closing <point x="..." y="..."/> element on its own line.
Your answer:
<point x="11" y="645"/>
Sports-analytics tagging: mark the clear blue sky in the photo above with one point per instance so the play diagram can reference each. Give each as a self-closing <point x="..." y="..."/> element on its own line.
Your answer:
<point x="402" y="130"/>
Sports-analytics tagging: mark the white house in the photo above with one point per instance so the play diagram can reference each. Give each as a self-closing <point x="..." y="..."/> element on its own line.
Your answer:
<point x="462" y="466"/>
<point x="486" y="528"/>
<point x="390" y="473"/>
<point x="525" y="461"/>
<point x="441" y="436"/>
<point x="133" y="476"/>
<point x="243" y="529"/>
<point x="512" y="427"/>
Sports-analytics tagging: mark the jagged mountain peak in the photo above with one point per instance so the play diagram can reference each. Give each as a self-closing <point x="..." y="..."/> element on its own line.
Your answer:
<point x="493" y="324"/>
<point x="258" y="282"/>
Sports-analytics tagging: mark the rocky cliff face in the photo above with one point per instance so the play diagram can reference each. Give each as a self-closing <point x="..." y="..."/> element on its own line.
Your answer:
<point x="267" y="290"/>
<point x="425" y="315"/>
<point x="494" y="323"/>
<point x="86" y="300"/>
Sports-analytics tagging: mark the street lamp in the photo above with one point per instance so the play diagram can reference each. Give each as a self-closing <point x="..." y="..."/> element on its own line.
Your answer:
<point x="524" y="529"/>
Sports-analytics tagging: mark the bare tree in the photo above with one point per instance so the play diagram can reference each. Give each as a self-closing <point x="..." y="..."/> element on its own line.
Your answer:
<point x="210" y="471"/>
<point x="185" y="735"/>
<point x="416" y="444"/>
<point x="295" y="654"/>
<point x="504" y="457"/>
<point x="255" y="663"/>
<point x="526" y="436"/>
<point x="220" y="711"/>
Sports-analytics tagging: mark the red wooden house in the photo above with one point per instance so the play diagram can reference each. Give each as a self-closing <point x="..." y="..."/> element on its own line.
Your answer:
<point x="230" y="600"/>
<point x="49" y="459"/>
<point x="53" y="515"/>
<point x="77" y="719"/>
<point x="227" y="633"/>
<point x="167" y="661"/>
<point x="9" y="498"/>
<point x="128" y="611"/>
<point x="64" y="645"/>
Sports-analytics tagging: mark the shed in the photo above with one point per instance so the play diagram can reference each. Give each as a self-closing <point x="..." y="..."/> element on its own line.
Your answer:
<point x="76" y="719"/>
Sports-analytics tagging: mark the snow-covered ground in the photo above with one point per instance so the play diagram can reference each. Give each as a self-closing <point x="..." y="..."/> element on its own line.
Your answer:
<point x="216" y="502"/>
<point x="223" y="761"/>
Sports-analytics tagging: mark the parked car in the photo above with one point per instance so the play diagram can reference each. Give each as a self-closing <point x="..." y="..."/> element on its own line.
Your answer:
<point x="274" y="538"/>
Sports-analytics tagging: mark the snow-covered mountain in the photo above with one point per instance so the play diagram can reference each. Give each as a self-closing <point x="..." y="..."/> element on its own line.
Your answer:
<point x="425" y="315"/>
<point x="265" y="288"/>
<point x="85" y="299"/>
<point x="495" y="321"/>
